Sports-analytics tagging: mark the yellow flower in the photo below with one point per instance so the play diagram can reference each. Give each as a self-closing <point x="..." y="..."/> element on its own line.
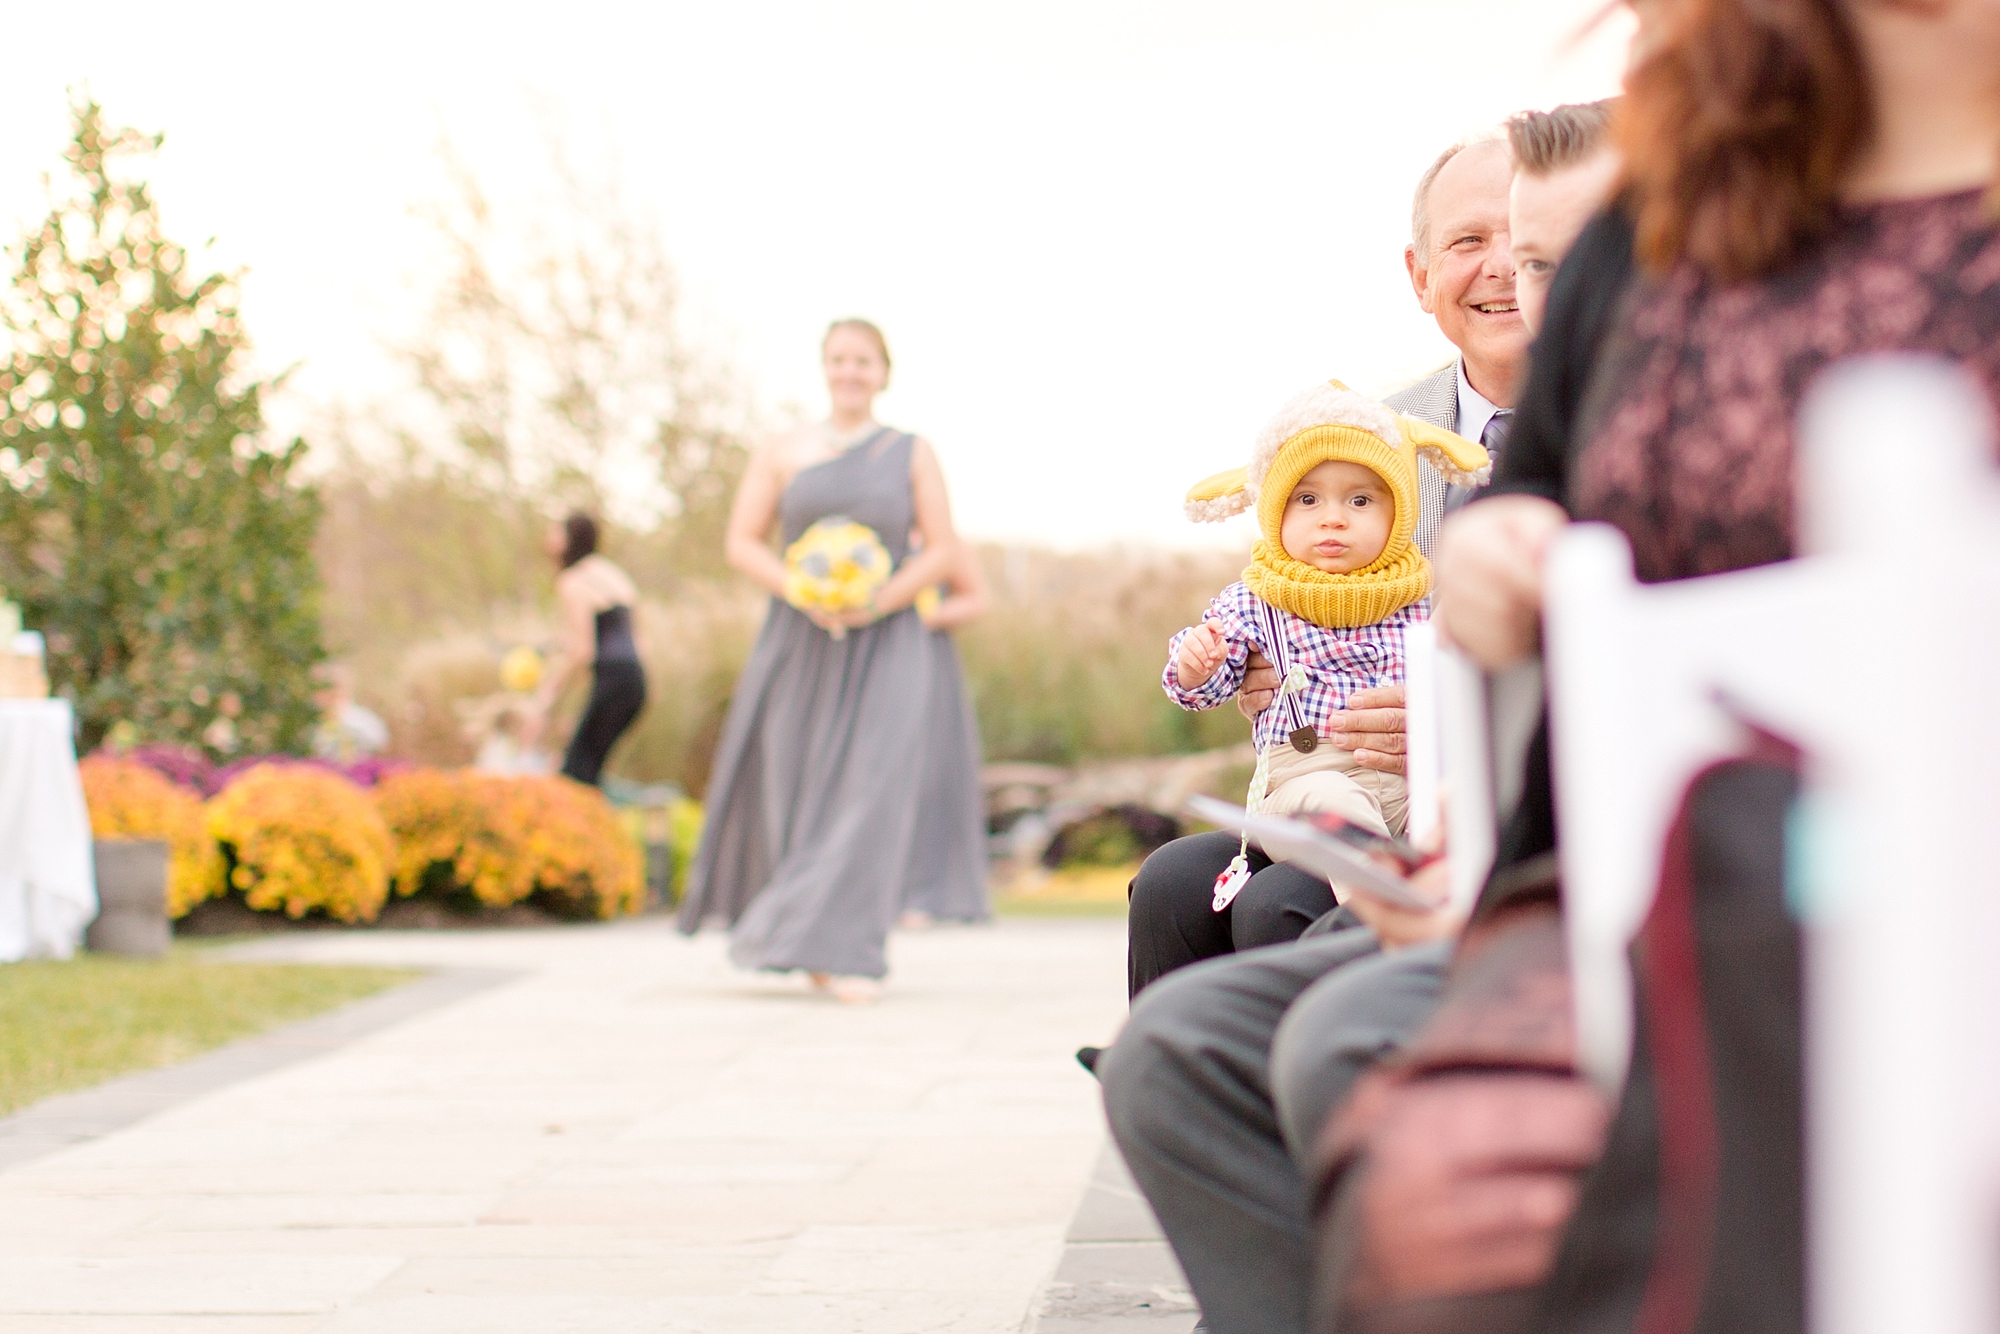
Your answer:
<point x="506" y="837"/>
<point x="128" y="800"/>
<point x="304" y="839"/>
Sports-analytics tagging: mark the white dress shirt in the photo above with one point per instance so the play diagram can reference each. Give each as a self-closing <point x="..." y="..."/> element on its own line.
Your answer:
<point x="1475" y="410"/>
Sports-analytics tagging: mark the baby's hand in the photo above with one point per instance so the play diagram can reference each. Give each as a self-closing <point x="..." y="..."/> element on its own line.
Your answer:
<point x="1201" y="655"/>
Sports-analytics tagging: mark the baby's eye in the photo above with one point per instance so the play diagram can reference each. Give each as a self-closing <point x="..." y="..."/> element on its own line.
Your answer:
<point x="1361" y="502"/>
<point x="1307" y="500"/>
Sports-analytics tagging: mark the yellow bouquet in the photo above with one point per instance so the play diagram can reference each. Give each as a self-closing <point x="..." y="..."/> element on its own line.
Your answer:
<point x="836" y="565"/>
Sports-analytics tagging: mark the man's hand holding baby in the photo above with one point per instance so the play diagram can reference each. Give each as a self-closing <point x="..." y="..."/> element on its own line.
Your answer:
<point x="1203" y="651"/>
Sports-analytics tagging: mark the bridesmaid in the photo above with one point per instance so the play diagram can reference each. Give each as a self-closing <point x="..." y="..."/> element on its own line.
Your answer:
<point x="825" y="806"/>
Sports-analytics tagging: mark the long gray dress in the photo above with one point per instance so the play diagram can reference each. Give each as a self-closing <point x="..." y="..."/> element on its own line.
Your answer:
<point x="840" y="792"/>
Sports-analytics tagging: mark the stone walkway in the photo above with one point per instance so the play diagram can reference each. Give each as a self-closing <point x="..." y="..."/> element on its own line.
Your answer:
<point x="609" y="1129"/>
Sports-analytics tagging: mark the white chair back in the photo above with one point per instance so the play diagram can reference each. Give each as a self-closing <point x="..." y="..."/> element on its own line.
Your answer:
<point x="1878" y="653"/>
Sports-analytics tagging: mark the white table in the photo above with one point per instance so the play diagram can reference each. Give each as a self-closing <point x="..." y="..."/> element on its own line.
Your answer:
<point x="48" y="886"/>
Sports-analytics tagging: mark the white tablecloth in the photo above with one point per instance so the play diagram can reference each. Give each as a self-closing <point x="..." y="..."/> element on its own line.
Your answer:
<point x="48" y="887"/>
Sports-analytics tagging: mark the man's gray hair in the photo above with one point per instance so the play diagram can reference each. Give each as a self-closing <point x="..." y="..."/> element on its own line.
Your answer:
<point x="1420" y="208"/>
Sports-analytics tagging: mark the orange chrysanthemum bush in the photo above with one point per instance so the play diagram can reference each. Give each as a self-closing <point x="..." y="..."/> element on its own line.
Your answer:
<point x="129" y="800"/>
<point x="302" y="839"/>
<point x="504" y="839"/>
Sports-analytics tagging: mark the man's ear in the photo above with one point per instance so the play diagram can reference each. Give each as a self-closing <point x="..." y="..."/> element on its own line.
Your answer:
<point x="1420" y="278"/>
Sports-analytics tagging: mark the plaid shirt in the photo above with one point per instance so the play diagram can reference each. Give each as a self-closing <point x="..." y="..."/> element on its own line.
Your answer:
<point x="1338" y="662"/>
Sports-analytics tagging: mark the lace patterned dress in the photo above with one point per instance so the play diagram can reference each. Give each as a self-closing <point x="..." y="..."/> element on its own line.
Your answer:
<point x="1688" y="419"/>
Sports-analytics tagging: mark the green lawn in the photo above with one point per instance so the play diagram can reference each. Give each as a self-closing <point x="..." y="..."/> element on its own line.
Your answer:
<point x="69" y="1025"/>
<point x="1049" y="906"/>
<point x="1074" y="891"/>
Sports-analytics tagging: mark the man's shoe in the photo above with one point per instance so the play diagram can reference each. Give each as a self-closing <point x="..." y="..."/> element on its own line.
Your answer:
<point x="1087" y="1057"/>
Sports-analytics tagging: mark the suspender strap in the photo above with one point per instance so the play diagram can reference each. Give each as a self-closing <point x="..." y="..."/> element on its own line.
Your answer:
<point x="1274" y="649"/>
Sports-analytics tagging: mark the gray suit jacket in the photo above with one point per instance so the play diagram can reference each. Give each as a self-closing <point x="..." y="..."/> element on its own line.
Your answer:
<point x="1433" y="399"/>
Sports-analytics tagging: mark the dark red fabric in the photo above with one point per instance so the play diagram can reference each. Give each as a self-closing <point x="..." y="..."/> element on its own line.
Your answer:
<point x="1445" y="1182"/>
<point x="1677" y="1034"/>
<point x="1694" y="1220"/>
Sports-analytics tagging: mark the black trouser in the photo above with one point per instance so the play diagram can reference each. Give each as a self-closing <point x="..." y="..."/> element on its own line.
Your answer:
<point x="1173" y="923"/>
<point x="617" y="693"/>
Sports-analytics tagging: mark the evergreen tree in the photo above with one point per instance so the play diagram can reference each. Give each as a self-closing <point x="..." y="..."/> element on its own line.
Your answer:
<point x="145" y="527"/>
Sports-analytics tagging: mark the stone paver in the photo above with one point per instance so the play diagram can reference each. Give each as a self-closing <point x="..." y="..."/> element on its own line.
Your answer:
<point x="1117" y="1274"/>
<point x="629" y="1135"/>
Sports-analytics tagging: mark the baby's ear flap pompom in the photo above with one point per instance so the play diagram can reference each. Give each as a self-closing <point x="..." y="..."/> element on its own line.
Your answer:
<point x="1222" y="496"/>
<point x="1460" y="461"/>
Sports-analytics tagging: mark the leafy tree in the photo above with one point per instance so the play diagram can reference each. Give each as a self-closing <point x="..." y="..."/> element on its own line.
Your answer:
<point x="552" y="365"/>
<point x="145" y="527"/>
<point x="547" y="364"/>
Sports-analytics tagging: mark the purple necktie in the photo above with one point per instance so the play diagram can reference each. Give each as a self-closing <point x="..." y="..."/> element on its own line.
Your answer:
<point x="1494" y="437"/>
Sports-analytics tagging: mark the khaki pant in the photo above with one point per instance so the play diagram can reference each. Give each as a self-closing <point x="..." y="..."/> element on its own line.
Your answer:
<point x="1328" y="779"/>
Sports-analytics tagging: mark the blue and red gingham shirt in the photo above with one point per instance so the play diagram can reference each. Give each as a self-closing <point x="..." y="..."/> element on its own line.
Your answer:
<point x="1338" y="662"/>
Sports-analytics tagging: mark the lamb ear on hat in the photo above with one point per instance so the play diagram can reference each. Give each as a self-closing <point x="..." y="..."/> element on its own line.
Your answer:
<point x="1222" y="496"/>
<point x="1460" y="461"/>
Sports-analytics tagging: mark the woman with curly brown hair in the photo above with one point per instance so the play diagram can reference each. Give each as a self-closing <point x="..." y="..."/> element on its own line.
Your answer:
<point x="1806" y="181"/>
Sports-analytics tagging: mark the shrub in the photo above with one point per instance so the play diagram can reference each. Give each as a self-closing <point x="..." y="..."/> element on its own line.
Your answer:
<point x="183" y="766"/>
<point x="585" y="863"/>
<point x="186" y="767"/>
<point x="684" y="819"/>
<point x="149" y="525"/>
<point x="301" y="838"/>
<point x="362" y="770"/>
<point x="505" y="838"/>
<point x="450" y="821"/>
<point x="129" y="800"/>
<point x="1116" y="836"/>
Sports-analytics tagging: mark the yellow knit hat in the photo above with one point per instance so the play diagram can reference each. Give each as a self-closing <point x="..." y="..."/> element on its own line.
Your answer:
<point x="1330" y="422"/>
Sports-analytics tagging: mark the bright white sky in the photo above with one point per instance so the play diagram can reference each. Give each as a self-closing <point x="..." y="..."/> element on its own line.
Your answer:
<point x="1106" y="237"/>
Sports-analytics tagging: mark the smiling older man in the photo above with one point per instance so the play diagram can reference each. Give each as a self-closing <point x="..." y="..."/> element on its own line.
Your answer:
<point x="1211" y="1122"/>
<point x="1459" y="260"/>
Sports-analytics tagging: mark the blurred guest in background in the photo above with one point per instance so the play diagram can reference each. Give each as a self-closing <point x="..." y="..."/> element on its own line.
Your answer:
<point x="838" y="794"/>
<point x="594" y="599"/>
<point x="347" y="728"/>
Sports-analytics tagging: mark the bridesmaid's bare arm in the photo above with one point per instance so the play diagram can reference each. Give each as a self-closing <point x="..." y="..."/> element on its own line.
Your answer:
<point x="968" y="599"/>
<point x="746" y="543"/>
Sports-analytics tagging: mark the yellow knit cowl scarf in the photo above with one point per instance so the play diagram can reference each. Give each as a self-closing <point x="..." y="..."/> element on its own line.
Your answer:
<point x="1339" y="601"/>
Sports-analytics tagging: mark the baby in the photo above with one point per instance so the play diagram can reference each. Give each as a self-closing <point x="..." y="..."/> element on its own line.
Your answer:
<point x="1335" y="581"/>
